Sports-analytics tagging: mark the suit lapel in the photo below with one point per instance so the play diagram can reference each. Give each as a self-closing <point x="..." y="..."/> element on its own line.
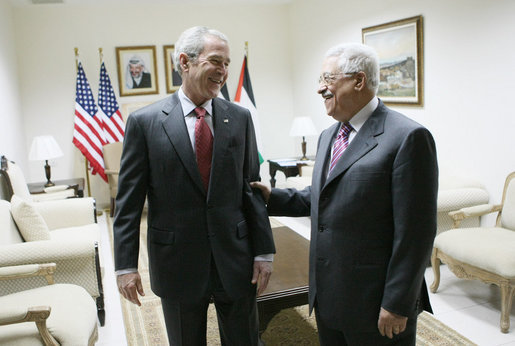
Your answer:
<point x="175" y="128"/>
<point x="221" y="123"/>
<point x="364" y="141"/>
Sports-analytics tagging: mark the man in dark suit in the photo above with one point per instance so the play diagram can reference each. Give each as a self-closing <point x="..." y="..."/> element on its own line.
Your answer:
<point x="372" y="203"/>
<point x="193" y="155"/>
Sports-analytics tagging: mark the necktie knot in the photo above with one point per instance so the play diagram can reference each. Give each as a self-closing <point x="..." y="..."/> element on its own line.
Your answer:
<point x="200" y="112"/>
<point x="345" y="129"/>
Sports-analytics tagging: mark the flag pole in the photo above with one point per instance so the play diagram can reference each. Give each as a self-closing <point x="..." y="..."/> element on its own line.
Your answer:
<point x="85" y="159"/>
<point x="247" y="51"/>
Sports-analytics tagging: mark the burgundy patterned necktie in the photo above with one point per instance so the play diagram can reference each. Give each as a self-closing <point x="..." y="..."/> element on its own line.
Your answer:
<point x="203" y="146"/>
<point x="340" y="144"/>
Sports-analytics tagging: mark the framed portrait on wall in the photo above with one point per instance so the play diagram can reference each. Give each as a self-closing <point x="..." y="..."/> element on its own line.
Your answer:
<point x="137" y="70"/>
<point x="400" y="47"/>
<point x="173" y="79"/>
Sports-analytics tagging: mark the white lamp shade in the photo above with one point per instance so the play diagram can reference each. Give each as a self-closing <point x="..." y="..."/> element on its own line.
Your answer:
<point x="303" y="126"/>
<point x="44" y="148"/>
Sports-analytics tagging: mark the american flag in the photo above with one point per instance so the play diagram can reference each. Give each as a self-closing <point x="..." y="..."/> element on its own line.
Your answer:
<point x="88" y="135"/>
<point x="108" y="109"/>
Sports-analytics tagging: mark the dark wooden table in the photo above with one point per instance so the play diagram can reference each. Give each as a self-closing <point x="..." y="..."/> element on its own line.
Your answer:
<point x="288" y="286"/>
<point x="40" y="186"/>
<point x="289" y="167"/>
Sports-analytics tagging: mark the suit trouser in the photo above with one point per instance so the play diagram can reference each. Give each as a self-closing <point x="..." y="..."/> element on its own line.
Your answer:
<point x="237" y="319"/>
<point x="332" y="337"/>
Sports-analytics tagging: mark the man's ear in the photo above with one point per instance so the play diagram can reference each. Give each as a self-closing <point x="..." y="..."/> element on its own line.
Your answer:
<point x="361" y="80"/>
<point x="184" y="60"/>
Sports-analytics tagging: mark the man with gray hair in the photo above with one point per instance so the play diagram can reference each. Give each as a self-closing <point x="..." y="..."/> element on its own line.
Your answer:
<point x="193" y="156"/>
<point x="372" y="203"/>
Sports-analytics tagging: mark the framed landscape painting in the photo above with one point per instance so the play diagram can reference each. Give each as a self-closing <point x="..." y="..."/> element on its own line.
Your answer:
<point x="400" y="47"/>
<point x="137" y="70"/>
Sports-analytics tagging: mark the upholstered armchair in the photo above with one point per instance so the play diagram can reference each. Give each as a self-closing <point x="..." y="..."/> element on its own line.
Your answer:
<point x="57" y="314"/>
<point x="16" y="184"/>
<point x="112" y="157"/>
<point x="482" y="253"/>
<point x="62" y="232"/>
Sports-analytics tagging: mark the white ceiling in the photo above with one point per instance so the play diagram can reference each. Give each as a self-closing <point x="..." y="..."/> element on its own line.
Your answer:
<point x="20" y="3"/>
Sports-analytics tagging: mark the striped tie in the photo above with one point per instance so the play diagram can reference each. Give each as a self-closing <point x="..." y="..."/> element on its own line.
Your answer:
<point x="203" y="145"/>
<point x="340" y="144"/>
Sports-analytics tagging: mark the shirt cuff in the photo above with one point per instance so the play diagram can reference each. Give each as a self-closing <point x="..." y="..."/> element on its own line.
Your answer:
<point x="126" y="271"/>
<point x="265" y="258"/>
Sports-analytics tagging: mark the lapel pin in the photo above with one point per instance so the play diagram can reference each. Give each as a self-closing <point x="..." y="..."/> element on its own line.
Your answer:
<point x="226" y="120"/>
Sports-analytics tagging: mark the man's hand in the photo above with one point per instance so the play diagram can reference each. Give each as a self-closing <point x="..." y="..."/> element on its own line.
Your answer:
<point x="262" y="272"/>
<point x="265" y="189"/>
<point x="129" y="286"/>
<point x="390" y="323"/>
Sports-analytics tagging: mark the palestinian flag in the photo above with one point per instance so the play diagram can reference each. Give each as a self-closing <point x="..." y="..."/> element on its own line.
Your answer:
<point x="245" y="98"/>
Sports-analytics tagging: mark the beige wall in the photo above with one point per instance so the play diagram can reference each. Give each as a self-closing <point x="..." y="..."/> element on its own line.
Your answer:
<point x="469" y="74"/>
<point x="12" y="136"/>
<point x="469" y="70"/>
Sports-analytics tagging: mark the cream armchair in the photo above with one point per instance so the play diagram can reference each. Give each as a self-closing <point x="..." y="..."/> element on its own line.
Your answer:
<point x="482" y="253"/>
<point x="63" y="232"/>
<point x="17" y="185"/>
<point x="57" y="314"/>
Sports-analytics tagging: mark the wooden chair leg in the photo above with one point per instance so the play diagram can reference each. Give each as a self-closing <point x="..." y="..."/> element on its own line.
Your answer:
<point x="507" y="293"/>
<point x="435" y="264"/>
<point x="111" y="212"/>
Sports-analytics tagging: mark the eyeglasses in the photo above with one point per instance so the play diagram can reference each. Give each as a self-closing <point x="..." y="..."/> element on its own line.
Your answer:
<point x="330" y="78"/>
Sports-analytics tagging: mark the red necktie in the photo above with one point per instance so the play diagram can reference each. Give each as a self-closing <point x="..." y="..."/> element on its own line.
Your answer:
<point x="340" y="144"/>
<point x="203" y="146"/>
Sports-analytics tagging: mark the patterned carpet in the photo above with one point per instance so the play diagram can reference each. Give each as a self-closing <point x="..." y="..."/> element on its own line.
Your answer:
<point x="145" y="325"/>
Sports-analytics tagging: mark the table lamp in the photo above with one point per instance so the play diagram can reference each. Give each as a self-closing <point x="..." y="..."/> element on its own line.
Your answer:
<point x="302" y="127"/>
<point x="45" y="148"/>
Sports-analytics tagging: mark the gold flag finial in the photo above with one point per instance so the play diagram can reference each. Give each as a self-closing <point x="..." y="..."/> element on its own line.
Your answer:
<point x="101" y="54"/>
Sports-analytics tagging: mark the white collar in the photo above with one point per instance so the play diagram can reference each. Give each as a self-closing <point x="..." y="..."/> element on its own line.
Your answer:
<point x="364" y="113"/>
<point x="188" y="106"/>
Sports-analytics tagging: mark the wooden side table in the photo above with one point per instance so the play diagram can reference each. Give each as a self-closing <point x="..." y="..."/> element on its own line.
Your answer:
<point x="40" y="186"/>
<point x="287" y="166"/>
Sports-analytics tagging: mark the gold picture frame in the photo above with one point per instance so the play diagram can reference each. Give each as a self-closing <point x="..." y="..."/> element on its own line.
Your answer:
<point x="173" y="79"/>
<point x="400" y="46"/>
<point x="137" y="70"/>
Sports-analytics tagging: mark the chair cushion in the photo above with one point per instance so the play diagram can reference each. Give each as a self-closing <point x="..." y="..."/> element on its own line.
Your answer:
<point x="30" y="223"/>
<point x="491" y="249"/>
<point x="72" y="321"/>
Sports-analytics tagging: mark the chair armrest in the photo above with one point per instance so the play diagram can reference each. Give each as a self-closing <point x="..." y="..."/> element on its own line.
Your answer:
<point x="67" y="212"/>
<point x="28" y="270"/>
<point x="76" y="263"/>
<point x="37" y="314"/>
<point x="111" y="172"/>
<point x="478" y="210"/>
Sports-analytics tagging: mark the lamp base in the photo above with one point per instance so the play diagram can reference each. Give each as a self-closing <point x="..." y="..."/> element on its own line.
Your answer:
<point x="303" y="146"/>
<point x="47" y="174"/>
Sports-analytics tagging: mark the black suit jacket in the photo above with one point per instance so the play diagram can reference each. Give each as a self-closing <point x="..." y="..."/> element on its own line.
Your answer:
<point x="188" y="226"/>
<point x="373" y="221"/>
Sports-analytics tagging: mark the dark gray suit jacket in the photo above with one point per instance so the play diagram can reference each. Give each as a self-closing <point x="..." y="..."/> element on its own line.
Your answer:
<point x="373" y="221"/>
<point x="188" y="226"/>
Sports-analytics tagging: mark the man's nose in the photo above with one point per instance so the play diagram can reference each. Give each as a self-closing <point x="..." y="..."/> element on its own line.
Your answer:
<point x="321" y="88"/>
